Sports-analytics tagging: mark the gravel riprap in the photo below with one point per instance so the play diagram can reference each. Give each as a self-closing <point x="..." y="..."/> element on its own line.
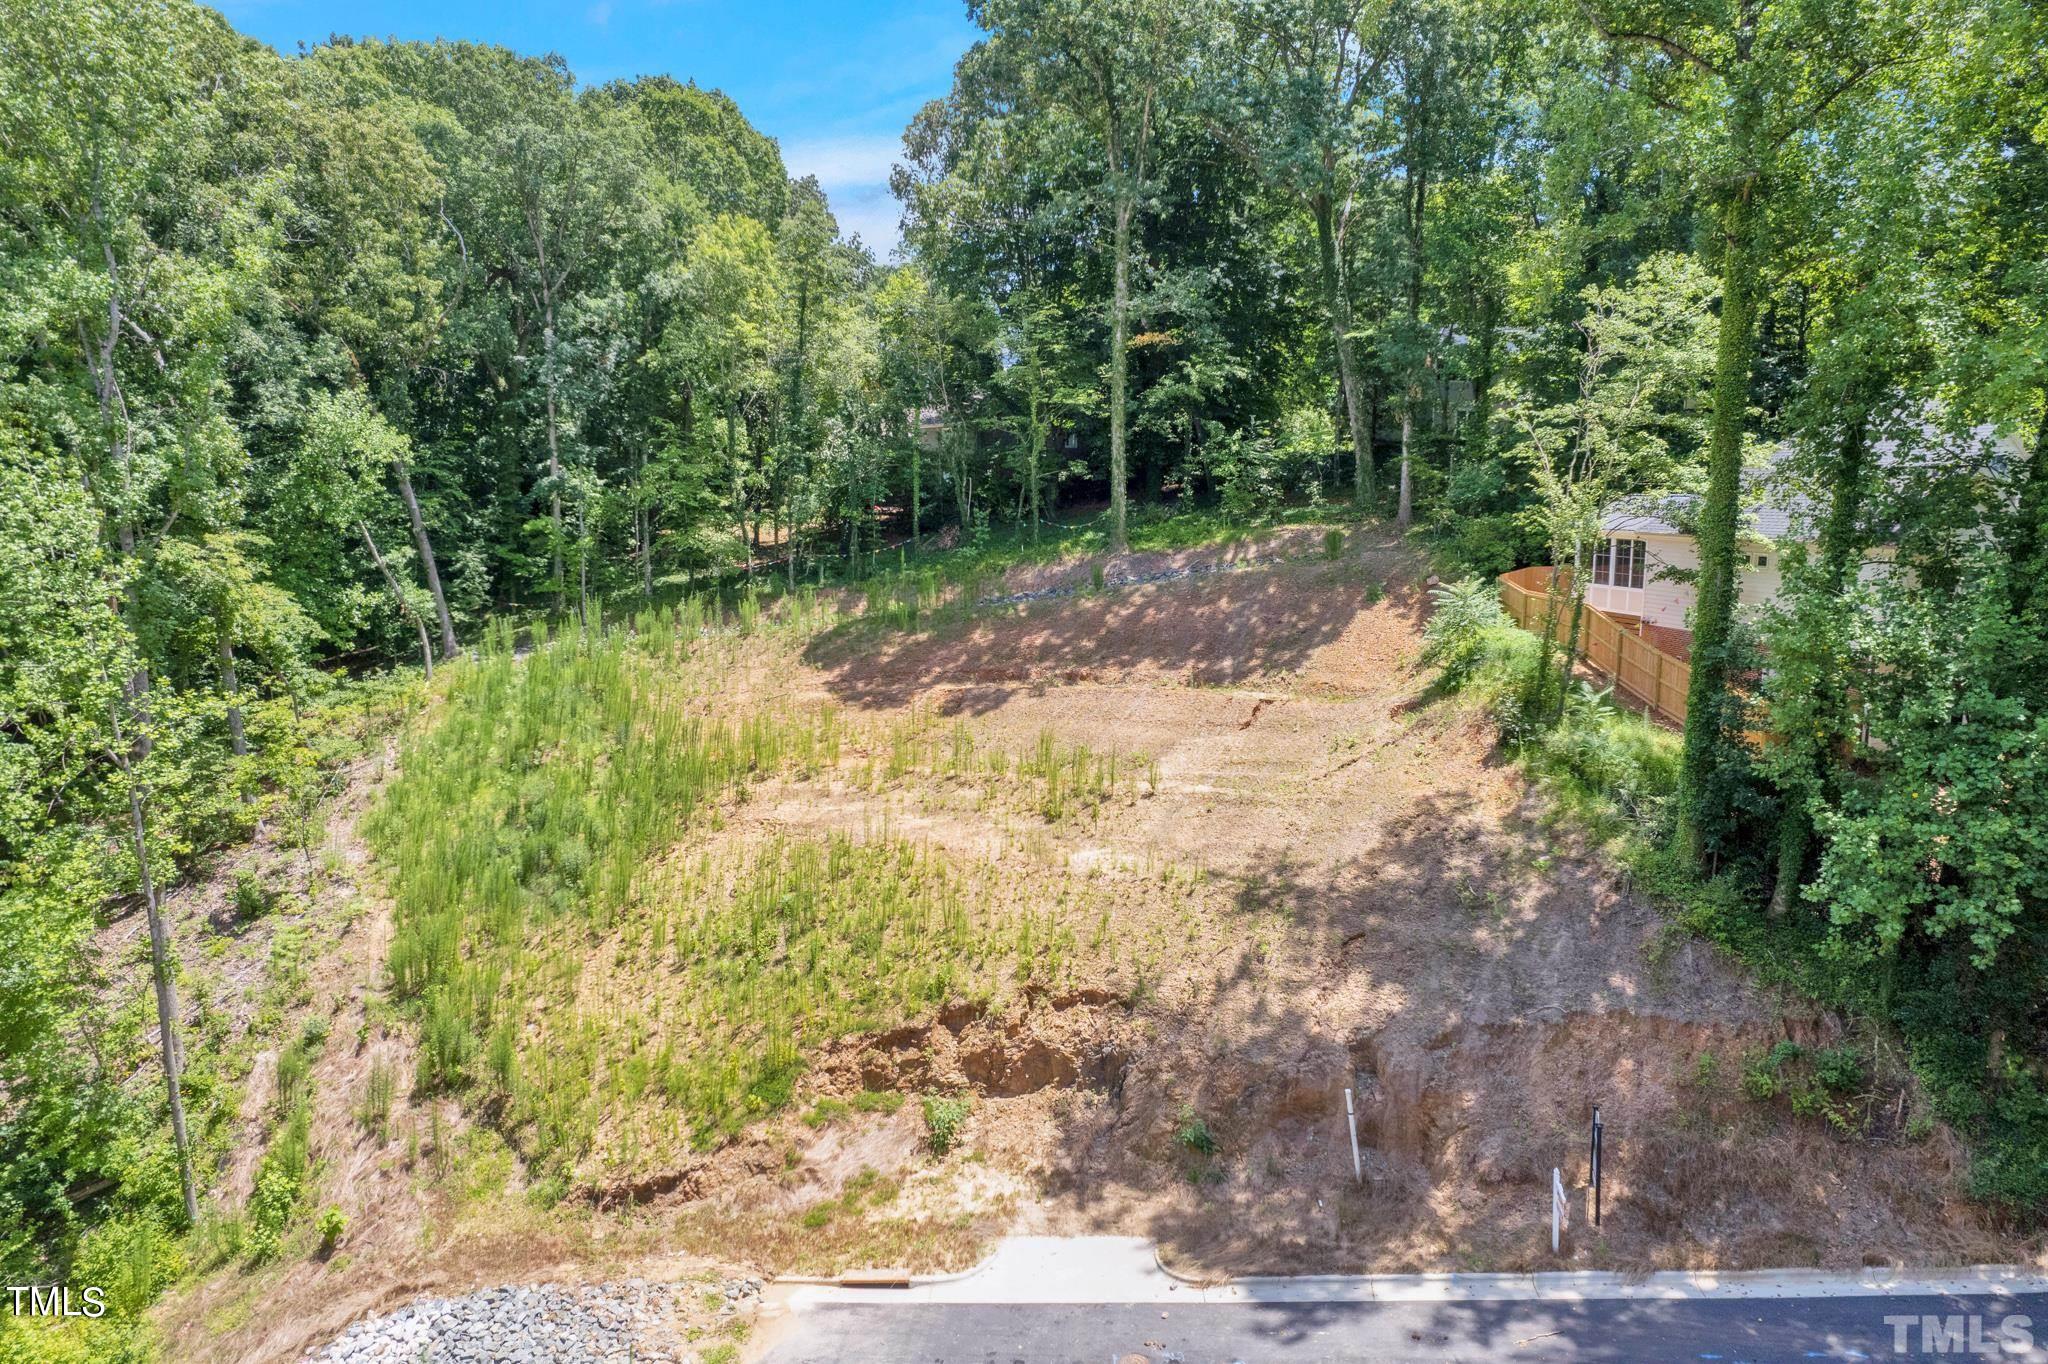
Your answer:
<point x="536" y="1324"/>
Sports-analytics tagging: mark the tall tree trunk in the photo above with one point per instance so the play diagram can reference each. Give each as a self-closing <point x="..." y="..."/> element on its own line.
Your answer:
<point x="583" y="565"/>
<point x="1404" y="514"/>
<point x="1031" y="460"/>
<point x="159" y="963"/>
<point x="554" y="446"/>
<point x="398" y="595"/>
<point x="1714" y="612"/>
<point x="739" y="487"/>
<point x="1338" y="305"/>
<point x="1418" y="204"/>
<point x="232" y="686"/>
<point x="646" y="523"/>
<point x="1119" y="366"/>
<point x="449" y="648"/>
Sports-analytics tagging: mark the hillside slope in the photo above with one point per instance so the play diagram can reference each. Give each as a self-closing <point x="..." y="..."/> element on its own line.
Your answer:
<point x="1194" y="855"/>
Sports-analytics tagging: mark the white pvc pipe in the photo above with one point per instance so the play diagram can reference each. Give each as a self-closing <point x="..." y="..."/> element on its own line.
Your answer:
<point x="1351" y="1119"/>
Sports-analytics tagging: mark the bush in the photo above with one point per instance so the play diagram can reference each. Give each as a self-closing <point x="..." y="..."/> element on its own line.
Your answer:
<point x="1455" y="637"/>
<point x="877" y="1101"/>
<point x="133" y="1259"/>
<point x="1839" y="1070"/>
<point x="253" y="897"/>
<point x="1611" y="755"/>
<point x="1193" y="1133"/>
<point x="943" y="1119"/>
<point x="280" y="1180"/>
<point x="1760" y="1082"/>
<point x="333" y="1222"/>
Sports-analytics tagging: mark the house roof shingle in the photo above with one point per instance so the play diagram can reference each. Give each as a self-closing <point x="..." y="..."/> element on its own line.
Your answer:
<point x="1773" y="510"/>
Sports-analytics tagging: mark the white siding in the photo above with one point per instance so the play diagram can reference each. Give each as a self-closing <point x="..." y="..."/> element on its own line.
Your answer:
<point x="1666" y="602"/>
<point x="1669" y="603"/>
<point x="1758" y="584"/>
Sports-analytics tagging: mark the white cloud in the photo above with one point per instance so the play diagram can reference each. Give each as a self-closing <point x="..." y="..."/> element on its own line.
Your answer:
<point x="872" y="212"/>
<point x="854" y="171"/>
<point x="844" y="161"/>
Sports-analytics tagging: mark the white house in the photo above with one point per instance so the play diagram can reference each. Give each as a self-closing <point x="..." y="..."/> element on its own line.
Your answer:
<point x="1634" y="567"/>
<point x="1647" y="543"/>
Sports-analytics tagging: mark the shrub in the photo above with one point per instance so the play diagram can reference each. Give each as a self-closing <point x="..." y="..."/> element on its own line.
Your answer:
<point x="1839" y="1070"/>
<point x="877" y="1101"/>
<point x="133" y="1259"/>
<point x="1760" y="1082"/>
<point x="1194" y="1133"/>
<point x="253" y="897"/>
<point x="280" y="1180"/>
<point x="943" y="1119"/>
<point x="333" y="1222"/>
<point x="270" y="1208"/>
<point x="1455" y="636"/>
<point x="1705" y="1070"/>
<point x="1612" y="755"/>
<point x="378" y="1091"/>
<point x="1333" y="544"/>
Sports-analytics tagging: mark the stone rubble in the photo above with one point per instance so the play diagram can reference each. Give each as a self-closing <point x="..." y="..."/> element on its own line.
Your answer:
<point x="1142" y="579"/>
<point x="622" y="1323"/>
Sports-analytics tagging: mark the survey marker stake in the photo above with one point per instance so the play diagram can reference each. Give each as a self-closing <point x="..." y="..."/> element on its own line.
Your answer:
<point x="1351" y="1120"/>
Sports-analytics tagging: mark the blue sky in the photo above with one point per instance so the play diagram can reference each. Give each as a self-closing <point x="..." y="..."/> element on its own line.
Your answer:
<point x="833" y="81"/>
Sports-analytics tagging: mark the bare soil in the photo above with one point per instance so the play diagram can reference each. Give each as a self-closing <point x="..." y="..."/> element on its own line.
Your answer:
<point x="1327" y="880"/>
<point x="1382" y="905"/>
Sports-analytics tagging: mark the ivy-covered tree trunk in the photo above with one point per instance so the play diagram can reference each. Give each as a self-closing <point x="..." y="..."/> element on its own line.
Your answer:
<point x="1838" y="553"/>
<point x="1701" y="813"/>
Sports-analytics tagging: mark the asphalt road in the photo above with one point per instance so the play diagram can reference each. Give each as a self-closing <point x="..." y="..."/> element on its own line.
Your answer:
<point x="1627" y="1331"/>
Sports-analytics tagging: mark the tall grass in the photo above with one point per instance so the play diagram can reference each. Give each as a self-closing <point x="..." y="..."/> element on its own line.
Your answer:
<point x="1059" y="780"/>
<point x="574" y="949"/>
<point x="536" y="795"/>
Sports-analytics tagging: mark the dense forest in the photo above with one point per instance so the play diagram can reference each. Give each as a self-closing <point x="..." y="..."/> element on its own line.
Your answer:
<point x="310" y="366"/>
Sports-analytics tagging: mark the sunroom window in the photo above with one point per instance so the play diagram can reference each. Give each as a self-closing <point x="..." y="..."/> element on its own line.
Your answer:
<point x="1618" y="562"/>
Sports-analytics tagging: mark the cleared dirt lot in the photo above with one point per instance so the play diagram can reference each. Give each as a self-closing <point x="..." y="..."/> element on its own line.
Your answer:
<point x="1379" y="906"/>
<point x="1308" y="874"/>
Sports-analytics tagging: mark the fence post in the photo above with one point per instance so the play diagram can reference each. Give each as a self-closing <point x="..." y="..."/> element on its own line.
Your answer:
<point x="1559" y="1216"/>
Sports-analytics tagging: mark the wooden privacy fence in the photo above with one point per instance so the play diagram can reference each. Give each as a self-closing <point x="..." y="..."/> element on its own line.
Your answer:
<point x="1638" y="668"/>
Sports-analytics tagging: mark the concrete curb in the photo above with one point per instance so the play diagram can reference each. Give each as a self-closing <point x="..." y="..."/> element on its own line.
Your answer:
<point x="1127" y="1269"/>
<point x="1583" y="1285"/>
<point x="849" y="1280"/>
